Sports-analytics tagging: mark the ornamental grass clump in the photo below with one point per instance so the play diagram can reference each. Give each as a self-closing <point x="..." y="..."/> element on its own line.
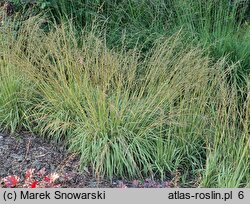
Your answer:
<point x="133" y="115"/>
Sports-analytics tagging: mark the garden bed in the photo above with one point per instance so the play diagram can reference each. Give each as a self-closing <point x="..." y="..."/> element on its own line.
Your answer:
<point x="26" y="151"/>
<point x="135" y="95"/>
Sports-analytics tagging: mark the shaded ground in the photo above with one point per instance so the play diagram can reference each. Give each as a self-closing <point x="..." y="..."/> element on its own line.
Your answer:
<point x="21" y="152"/>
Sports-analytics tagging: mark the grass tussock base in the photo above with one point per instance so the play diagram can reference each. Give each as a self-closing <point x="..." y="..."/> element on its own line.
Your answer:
<point x="126" y="114"/>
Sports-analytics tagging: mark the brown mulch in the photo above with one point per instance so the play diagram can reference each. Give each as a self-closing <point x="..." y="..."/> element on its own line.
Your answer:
<point x="21" y="152"/>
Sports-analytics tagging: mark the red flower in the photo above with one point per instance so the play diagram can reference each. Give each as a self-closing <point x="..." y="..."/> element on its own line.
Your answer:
<point x="29" y="173"/>
<point x="46" y="179"/>
<point x="33" y="185"/>
<point x="11" y="181"/>
<point x="32" y="179"/>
